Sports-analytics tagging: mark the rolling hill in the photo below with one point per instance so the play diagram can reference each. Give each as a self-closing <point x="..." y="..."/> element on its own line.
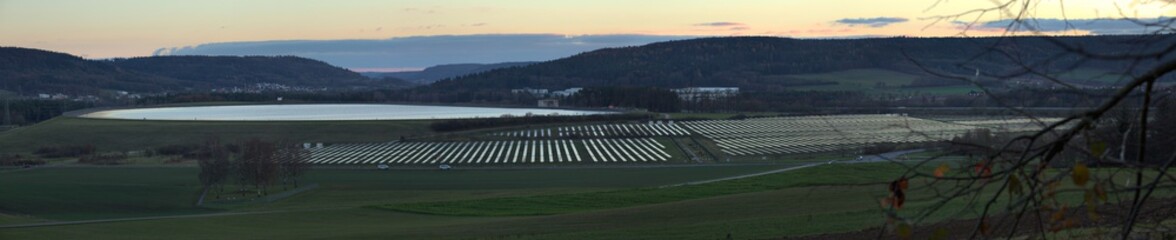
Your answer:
<point x="766" y="63"/>
<point x="236" y="71"/>
<point x="29" y="71"/>
<point x="435" y="73"/>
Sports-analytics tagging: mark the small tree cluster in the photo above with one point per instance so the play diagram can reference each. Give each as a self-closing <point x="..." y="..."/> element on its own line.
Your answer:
<point x="18" y="160"/>
<point x="64" y="151"/>
<point x="255" y="166"/>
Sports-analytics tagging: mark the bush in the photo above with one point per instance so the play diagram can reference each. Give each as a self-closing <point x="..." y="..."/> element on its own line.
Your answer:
<point x="175" y="149"/>
<point x="476" y="123"/>
<point x="880" y="148"/>
<point x="103" y="159"/>
<point x="64" y="151"/>
<point x="18" y="160"/>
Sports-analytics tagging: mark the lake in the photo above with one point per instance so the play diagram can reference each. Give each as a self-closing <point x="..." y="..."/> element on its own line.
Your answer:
<point x="324" y="112"/>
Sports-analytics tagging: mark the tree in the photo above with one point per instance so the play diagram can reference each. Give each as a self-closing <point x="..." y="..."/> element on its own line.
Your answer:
<point x="215" y="167"/>
<point x="1067" y="174"/>
<point x="257" y="165"/>
<point x="292" y="163"/>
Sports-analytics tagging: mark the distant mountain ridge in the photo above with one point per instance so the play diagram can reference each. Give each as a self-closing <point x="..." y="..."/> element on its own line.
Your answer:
<point x="435" y="73"/>
<point x="769" y="62"/>
<point x="30" y="71"/>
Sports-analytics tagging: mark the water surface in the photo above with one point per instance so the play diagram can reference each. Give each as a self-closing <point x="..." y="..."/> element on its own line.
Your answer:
<point x="302" y="112"/>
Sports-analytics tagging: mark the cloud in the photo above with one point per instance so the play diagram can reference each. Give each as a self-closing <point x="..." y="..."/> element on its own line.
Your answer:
<point x="1098" y="26"/>
<point x="871" y="22"/>
<point x="822" y="31"/>
<point x="717" y="24"/>
<point x="739" y="28"/>
<point x="418" y="10"/>
<point x="423" y="27"/>
<point x="425" y="51"/>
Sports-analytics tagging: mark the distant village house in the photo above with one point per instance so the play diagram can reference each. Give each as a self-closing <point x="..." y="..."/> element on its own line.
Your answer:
<point x="699" y="93"/>
<point x="549" y="103"/>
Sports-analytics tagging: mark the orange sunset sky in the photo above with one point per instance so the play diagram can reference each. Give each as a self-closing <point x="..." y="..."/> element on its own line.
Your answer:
<point x="122" y="28"/>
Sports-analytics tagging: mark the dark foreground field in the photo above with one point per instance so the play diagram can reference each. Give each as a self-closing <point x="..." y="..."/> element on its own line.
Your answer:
<point x="572" y="203"/>
<point x="358" y="204"/>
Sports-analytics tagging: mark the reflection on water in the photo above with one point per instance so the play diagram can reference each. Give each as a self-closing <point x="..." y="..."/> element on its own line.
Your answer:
<point x="324" y="112"/>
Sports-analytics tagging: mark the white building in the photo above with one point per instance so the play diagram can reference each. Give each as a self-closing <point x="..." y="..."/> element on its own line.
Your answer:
<point x="699" y="93"/>
<point x="566" y="92"/>
<point x="533" y="92"/>
<point x="549" y="103"/>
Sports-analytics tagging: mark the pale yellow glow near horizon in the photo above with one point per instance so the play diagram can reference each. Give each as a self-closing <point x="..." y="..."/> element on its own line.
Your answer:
<point x="120" y="28"/>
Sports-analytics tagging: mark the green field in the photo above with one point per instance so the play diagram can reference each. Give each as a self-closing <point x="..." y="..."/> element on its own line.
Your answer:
<point x="130" y="135"/>
<point x="337" y="209"/>
<point x="578" y="202"/>
<point x="564" y="203"/>
<point x="1092" y="75"/>
<point x="84" y="193"/>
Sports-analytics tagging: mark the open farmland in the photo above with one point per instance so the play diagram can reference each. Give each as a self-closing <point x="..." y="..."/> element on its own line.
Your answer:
<point x="135" y="135"/>
<point x="811" y="134"/>
<point x="356" y="202"/>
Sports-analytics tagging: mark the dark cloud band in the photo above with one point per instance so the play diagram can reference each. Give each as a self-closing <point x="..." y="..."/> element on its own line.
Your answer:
<point x="871" y="22"/>
<point x="1099" y="26"/>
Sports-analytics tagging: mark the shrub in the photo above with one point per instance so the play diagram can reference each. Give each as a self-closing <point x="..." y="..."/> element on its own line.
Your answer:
<point x="175" y="149"/>
<point x="476" y="123"/>
<point x="64" y="151"/>
<point x="18" y="160"/>
<point x="103" y="159"/>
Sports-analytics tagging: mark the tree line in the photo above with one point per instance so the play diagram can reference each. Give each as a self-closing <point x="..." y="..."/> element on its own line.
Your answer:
<point x="648" y="98"/>
<point x="478" y="123"/>
<point x="30" y="111"/>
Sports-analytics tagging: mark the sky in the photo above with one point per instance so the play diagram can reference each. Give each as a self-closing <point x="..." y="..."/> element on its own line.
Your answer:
<point x="129" y="28"/>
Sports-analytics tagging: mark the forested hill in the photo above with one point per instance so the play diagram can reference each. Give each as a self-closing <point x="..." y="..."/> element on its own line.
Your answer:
<point x="237" y="71"/>
<point x="435" y="73"/>
<point x="767" y="62"/>
<point x="31" y="71"/>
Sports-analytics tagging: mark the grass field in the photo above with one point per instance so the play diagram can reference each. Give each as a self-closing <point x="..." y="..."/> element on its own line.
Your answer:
<point x="689" y="213"/>
<point x="825" y="175"/>
<point x="574" y="203"/>
<point x="83" y="193"/>
<point x="830" y="198"/>
<point x="1092" y="75"/>
<point x="124" y="135"/>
